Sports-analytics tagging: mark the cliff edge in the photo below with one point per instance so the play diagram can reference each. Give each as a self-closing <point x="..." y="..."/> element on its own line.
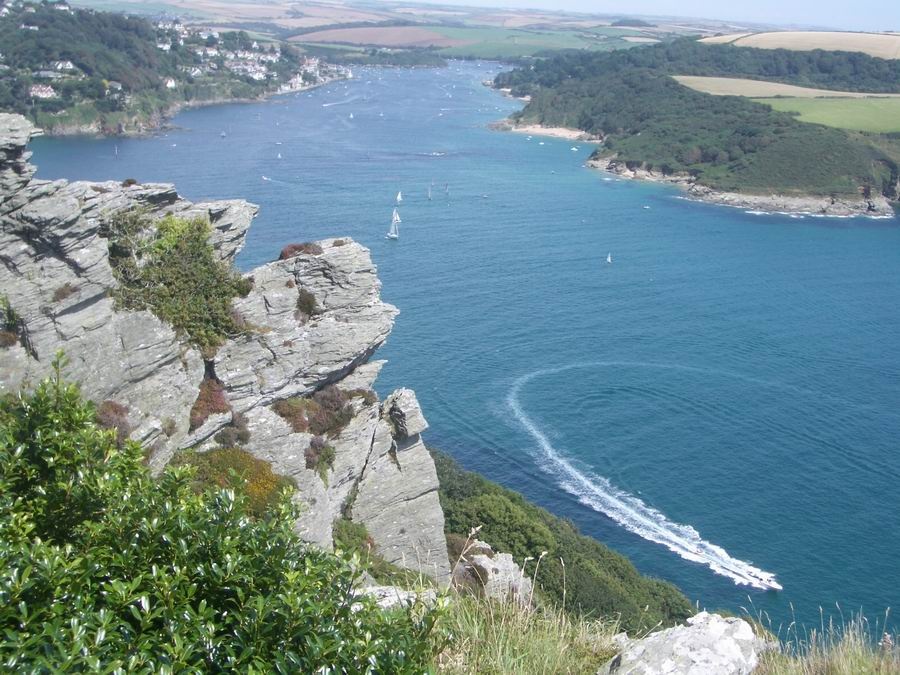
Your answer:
<point x="59" y="288"/>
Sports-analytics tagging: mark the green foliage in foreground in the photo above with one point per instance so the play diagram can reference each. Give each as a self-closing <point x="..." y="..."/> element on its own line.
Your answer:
<point x="104" y="569"/>
<point x="170" y="268"/>
<point x="593" y="580"/>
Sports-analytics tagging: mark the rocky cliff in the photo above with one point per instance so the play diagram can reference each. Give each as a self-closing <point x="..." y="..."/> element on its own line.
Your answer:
<point x="56" y="276"/>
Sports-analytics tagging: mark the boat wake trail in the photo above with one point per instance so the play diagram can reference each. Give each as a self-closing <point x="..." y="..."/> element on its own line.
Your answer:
<point x="629" y="511"/>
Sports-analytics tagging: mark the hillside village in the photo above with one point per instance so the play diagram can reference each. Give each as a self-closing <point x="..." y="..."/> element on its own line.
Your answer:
<point x="91" y="87"/>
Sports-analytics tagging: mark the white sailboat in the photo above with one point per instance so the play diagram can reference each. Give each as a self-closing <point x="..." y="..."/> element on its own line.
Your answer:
<point x="429" y="193"/>
<point x="399" y="197"/>
<point x="609" y="258"/>
<point x="394" y="231"/>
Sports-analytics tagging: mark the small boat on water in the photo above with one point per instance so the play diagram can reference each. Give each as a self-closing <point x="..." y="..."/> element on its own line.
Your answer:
<point x="394" y="231"/>
<point x="399" y="198"/>
<point x="222" y="135"/>
<point x="609" y="258"/>
<point x="429" y="193"/>
<point x="279" y="155"/>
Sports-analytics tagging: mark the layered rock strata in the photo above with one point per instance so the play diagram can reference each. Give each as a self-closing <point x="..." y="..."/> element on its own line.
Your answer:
<point x="55" y="275"/>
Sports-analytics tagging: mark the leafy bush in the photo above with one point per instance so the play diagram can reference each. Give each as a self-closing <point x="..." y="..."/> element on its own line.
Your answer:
<point x="104" y="569"/>
<point x="211" y="399"/>
<point x="595" y="581"/>
<point x="326" y="413"/>
<point x="291" y="250"/>
<point x="170" y="268"/>
<point x="239" y="470"/>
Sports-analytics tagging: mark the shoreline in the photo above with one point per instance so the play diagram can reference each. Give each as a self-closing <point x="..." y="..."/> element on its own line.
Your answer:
<point x="564" y="133"/>
<point x="159" y="121"/>
<point x="877" y="207"/>
<point x="772" y="204"/>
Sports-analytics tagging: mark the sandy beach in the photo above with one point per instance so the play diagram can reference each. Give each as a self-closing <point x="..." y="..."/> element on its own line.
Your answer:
<point x="540" y="130"/>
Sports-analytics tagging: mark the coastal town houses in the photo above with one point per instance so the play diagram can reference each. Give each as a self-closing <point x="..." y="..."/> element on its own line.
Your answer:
<point x="42" y="91"/>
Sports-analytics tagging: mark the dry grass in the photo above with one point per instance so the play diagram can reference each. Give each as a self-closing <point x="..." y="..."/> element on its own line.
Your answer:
<point x="882" y="45"/>
<point x="734" y="86"/>
<point x="851" y="649"/>
<point x="495" y="637"/>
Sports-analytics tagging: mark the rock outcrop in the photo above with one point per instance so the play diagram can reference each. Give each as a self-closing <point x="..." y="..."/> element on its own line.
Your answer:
<point x="709" y="645"/>
<point x="491" y="575"/>
<point x="56" y="276"/>
<point x="876" y="206"/>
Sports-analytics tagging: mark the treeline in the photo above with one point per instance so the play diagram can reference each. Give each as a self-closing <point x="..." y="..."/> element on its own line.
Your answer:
<point x="648" y="120"/>
<point x="844" y="71"/>
<point x="577" y="571"/>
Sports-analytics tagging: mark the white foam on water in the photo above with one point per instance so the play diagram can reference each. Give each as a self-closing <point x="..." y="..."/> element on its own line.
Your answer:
<point x="629" y="511"/>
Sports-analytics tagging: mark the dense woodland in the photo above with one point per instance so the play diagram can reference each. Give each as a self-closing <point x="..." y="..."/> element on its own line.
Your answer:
<point x="649" y="120"/>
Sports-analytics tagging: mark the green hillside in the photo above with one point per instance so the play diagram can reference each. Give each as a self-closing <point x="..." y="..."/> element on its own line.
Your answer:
<point x="649" y="120"/>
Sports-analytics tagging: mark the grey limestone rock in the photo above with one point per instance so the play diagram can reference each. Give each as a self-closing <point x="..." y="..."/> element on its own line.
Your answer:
<point x="709" y="645"/>
<point x="55" y="273"/>
<point x="493" y="575"/>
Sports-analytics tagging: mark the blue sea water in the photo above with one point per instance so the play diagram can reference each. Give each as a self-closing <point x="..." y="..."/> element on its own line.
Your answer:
<point x="720" y="402"/>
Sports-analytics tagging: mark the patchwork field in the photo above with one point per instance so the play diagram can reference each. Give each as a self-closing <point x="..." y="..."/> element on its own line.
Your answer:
<point x="384" y="36"/>
<point x="733" y="86"/>
<point x="879" y="115"/>
<point x="882" y="45"/>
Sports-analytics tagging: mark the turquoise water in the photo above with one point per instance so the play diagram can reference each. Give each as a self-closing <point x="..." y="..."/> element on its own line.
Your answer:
<point x="719" y="403"/>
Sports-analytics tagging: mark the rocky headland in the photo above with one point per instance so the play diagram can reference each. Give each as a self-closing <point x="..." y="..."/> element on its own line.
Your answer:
<point x="876" y="206"/>
<point x="56" y="276"/>
<point x="58" y="289"/>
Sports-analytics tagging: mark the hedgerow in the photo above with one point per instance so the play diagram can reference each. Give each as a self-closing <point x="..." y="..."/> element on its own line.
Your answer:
<point x="105" y="569"/>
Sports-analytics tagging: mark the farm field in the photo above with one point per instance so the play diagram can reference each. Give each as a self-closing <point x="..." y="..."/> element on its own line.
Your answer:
<point x="879" y="115"/>
<point x="473" y="41"/>
<point x="482" y="42"/>
<point x="881" y="45"/>
<point x="733" y="86"/>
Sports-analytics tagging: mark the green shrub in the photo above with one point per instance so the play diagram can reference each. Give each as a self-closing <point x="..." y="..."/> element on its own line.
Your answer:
<point x="105" y="569"/>
<point x="595" y="581"/>
<point x="10" y="323"/>
<point x="306" y="305"/>
<point x="211" y="399"/>
<point x="172" y="270"/>
<point x="326" y="413"/>
<point x="237" y="469"/>
<point x="236" y="433"/>
<point x="319" y="457"/>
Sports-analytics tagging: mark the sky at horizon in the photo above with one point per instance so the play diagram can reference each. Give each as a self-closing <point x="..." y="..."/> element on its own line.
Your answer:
<point x="863" y="15"/>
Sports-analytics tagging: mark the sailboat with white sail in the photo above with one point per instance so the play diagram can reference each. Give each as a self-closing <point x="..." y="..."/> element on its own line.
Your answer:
<point x="399" y="198"/>
<point x="429" y="193"/>
<point x="394" y="231"/>
<point x="609" y="258"/>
